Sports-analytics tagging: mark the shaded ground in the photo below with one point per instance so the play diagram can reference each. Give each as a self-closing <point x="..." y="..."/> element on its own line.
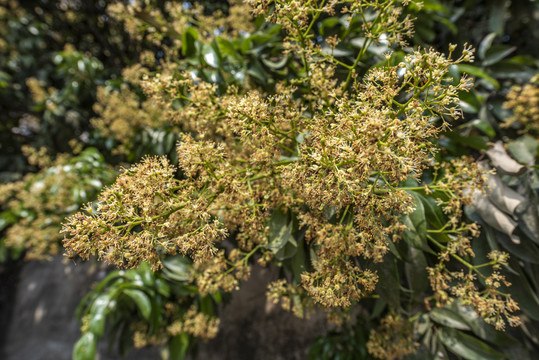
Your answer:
<point x="252" y="328"/>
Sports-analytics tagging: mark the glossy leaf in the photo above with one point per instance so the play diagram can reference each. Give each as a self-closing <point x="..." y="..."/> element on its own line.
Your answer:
<point x="467" y="346"/>
<point x="485" y="44"/>
<point x="416" y="271"/>
<point x="142" y="300"/>
<point x="497" y="53"/>
<point x="478" y="72"/>
<point x="446" y="317"/>
<point x="98" y="313"/>
<point x="480" y="328"/>
<point x="189" y="37"/>
<point x="178" y="347"/>
<point x="85" y="348"/>
<point x="280" y="232"/>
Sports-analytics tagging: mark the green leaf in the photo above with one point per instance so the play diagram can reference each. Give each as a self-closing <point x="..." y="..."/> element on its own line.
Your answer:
<point x="469" y="102"/>
<point x="433" y="214"/>
<point x="523" y="293"/>
<point x="524" y="149"/>
<point x="7" y="218"/>
<point x="525" y="250"/>
<point x="98" y="313"/>
<point x="85" y="347"/>
<point x="497" y="53"/>
<point x="484" y="126"/>
<point x="162" y="287"/>
<point x="211" y="56"/>
<point x="480" y="328"/>
<point x="227" y="48"/>
<point x="257" y="72"/>
<point x="288" y="251"/>
<point x="142" y="300"/>
<point x="274" y="64"/>
<point x="379" y="307"/>
<point x="422" y="324"/>
<point x="178" y="347"/>
<point x="177" y="268"/>
<point x="473" y="141"/>
<point x="280" y="232"/>
<point x="467" y="346"/>
<point x="327" y="24"/>
<point x="486" y="43"/>
<point x="388" y="286"/>
<point x="478" y="72"/>
<point x="497" y="16"/>
<point x="416" y="235"/>
<point x="416" y="271"/>
<point x="446" y="317"/>
<point x="189" y="37"/>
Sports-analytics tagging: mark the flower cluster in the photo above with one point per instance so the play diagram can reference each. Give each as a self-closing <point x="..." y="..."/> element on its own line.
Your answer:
<point x="331" y="150"/>
<point x="145" y="21"/>
<point x="524" y="102"/>
<point x="144" y="214"/>
<point x="38" y="203"/>
<point x="121" y="114"/>
<point x="493" y="305"/>
<point x="195" y="323"/>
<point x="393" y="339"/>
<point x="461" y="179"/>
<point x="296" y="17"/>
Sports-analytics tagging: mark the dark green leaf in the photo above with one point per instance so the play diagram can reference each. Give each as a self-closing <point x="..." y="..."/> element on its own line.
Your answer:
<point x="486" y="43"/>
<point x="522" y="292"/>
<point x="433" y="214"/>
<point x="416" y="271"/>
<point x="478" y="72"/>
<point x="472" y="141"/>
<point x="497" y="53"/>
<point x="467" y="346"/>
<point x="388" y="286"/>
<point x="484" y="126"/>
<point x="416" y="235"/>
<point x="482" y="329"/>
<point x="446" y="317"/>
<point x="327" y="24"/>
<point x="298" y="262"/>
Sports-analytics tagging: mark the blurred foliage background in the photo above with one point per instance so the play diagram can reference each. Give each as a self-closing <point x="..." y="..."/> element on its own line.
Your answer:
<point x="73" y="113"/>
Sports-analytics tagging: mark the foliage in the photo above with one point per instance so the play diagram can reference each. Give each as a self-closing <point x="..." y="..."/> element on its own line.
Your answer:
<point x="142" y="308"/>
<point x="318" y="141"/>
